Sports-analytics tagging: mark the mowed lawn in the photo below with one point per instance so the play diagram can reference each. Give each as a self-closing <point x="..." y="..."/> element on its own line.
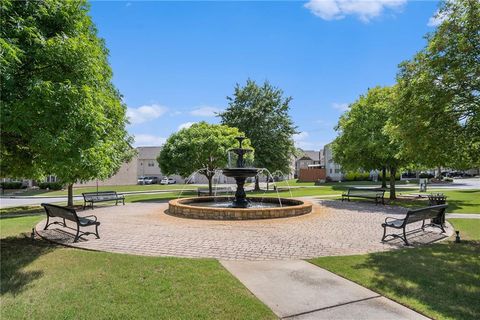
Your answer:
<point x="43" y="281"/>
<point x="441" y="280"/>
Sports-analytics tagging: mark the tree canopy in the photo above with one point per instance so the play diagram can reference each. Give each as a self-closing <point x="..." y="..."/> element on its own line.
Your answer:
<point x="202" y="146"/>
<point x="362" y="142"/>
<point x="60" y="114"/>
<point x="437" y="119"/>
<point x="262" y="112"/>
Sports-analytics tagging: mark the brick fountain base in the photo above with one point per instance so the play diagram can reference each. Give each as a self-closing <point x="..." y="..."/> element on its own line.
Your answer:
<point x="184" y="208"/>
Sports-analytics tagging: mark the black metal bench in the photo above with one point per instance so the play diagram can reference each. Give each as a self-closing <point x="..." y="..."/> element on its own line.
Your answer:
<point x="101" y="196"/>
<point x="70" y="214"/>
<point x="370" y="193"/>
<point x="206" y="191"/>
<point x="434" y="213"/>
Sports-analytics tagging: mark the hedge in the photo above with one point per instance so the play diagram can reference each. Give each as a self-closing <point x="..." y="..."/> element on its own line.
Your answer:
<point x="12" y="185"/>
<point x="51" y="185"/>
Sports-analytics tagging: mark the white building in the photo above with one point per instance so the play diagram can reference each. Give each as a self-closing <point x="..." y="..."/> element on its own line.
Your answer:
<point x="333" y="170"/>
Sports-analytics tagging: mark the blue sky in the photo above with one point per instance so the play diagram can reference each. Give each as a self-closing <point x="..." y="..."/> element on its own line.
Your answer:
<point x="175" y="62"/>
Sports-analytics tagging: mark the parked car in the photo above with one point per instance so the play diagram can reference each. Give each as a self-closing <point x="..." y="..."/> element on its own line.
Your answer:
<point x="147" y="180"/>
<point x="167" y="180"/>
<point x="151" y="180"/>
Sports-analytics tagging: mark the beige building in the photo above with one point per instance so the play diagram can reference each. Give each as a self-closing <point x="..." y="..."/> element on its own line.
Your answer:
<point x="308" y="159"/>
<point x="143" y="164"/>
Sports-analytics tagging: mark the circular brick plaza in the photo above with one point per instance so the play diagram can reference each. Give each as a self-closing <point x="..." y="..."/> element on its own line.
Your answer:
<point x="332" y="228"/>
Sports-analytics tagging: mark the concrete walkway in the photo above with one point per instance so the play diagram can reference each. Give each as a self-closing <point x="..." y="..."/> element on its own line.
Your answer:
<point x="463" y="216"/>
<point x="296" y="289"/>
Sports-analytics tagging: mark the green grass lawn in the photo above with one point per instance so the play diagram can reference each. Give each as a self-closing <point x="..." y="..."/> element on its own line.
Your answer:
<point x="441" y="280"/>
<point x="42" y="281"/>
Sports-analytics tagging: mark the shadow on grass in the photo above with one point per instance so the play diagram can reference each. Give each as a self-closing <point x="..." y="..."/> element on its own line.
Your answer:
<point x="17" y="253"/>
<point x="444" y="277"/>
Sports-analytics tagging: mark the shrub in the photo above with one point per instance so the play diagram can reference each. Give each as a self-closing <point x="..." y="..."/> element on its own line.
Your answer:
<point x="357" y="176"/>
<point x="448" y="179"/>
<point x="51" y="185"/>
<point x="12" y="185"/>
<point x="328" y="179"/>
<point x="424" y="175"/>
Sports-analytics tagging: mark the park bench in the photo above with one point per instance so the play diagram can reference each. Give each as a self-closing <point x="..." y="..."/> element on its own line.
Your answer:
<point x="70" y="214"/>
<point x="101" y="196"/>
<point x="370" y="193"/>
<point x="434" y="213"/>
<point x="215" y="191"/>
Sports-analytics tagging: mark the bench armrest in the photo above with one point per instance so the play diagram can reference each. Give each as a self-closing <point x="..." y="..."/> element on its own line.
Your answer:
<point x="91" y="217"/>
<point x="392" y="218"/>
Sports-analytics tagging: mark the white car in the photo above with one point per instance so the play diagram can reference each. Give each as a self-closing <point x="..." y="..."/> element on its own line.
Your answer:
<point x="168" y="181"/>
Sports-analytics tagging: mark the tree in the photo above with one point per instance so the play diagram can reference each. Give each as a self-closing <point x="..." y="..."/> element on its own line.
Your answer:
<point x="437" y="119"/>
<point x="201" y="147"/>
<point x="362" y="142"/>
<point x="262" y="113"/>
<point x="60" y="114"/>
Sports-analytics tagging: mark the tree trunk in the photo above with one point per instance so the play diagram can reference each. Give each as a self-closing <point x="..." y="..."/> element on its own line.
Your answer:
<point x="384" y="177"/>
<point x="439" y="172"/>
<point x="70" y="195"/>
<point x="257" y="183"/>
<point x="210" y="188"/>
<point x="393" y="171"/>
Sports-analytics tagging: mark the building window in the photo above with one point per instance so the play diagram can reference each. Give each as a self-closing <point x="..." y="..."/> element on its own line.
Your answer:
<point x="337" y="170"/>
<point x="151" y="164"/>
<point x="331" y="171"/>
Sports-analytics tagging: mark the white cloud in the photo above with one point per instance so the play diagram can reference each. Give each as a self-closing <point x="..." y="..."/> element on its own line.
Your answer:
<point x="185" y="125"/>
<point x="145" y="113"/>
<point x="365" y="10"/>
<point x="436" y="20"/>
<point x="300" y="136"/>
<point x="205" y="111"/>
<point x="300" y="140"/>
<point x="148" y="140"/>
<point x="340" y="106"/>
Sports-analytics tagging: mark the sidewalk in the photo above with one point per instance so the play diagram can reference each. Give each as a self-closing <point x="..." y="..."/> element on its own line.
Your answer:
<point x="299" y="290"/>
<point x="463" y="216"/>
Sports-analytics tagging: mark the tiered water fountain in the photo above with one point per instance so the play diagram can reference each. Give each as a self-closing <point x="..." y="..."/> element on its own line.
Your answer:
<point x="240" y="207"/>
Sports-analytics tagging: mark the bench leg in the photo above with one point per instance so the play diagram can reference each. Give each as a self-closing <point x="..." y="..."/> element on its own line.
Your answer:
<point x="64" y="224"/>
<point x="96" y="231"/>
<point x="405" y="236"/>
<point x="123" y="201"/>
<point x="77" y="235"/>
<point x="384" y="233"/>
<point x="46" y="225"/>
<point x="84" y="204"/>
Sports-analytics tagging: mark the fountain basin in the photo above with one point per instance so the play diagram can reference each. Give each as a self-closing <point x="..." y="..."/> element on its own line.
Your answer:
<point x="207" y="208"/>
<point x="240" y="172"/>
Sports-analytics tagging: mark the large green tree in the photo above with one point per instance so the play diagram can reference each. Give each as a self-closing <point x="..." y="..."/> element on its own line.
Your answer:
<point x="201" y="147"/>
<point x="362" y="142"/>
<point x="60" y="113"/>
<point x="437" y="119"/>
<point x="262" y="112"/>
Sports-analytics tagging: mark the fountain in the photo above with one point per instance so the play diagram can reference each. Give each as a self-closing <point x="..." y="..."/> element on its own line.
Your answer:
<point x="238" y="207"/>
<point x="240" y="174"/>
